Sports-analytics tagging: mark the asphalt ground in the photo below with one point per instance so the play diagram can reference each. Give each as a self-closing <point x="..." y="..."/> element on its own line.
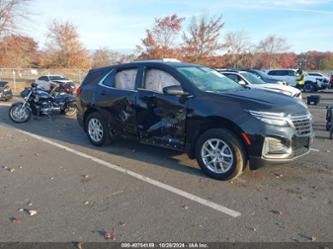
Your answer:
<point x="134" y="192"/>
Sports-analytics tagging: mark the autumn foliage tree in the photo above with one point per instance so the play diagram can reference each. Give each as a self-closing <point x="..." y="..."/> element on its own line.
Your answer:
<point x="18" y="51"/>
<point x="63" y="47"/>
<point x="201" y="42"/>
<point x="160" y="39"/>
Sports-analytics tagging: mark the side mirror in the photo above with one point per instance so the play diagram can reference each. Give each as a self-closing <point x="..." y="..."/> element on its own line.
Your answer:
<point x="174" y="90"/>
<point x="242" y="82"/>
<point x="34" y="84"/>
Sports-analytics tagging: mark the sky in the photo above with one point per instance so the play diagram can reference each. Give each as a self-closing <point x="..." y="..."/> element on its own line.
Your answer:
<point x="120" y="24"/>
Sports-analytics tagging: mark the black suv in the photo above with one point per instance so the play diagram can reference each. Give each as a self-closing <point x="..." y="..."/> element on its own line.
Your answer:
<point x="195" y="109"/>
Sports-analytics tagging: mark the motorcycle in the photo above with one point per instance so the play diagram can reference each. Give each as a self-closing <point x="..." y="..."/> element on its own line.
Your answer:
<point x="40" y="103"/>
<point x="60" y="87"/>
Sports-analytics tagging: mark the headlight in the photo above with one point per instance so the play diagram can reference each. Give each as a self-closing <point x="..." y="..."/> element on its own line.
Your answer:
<point x="272" y="118"/>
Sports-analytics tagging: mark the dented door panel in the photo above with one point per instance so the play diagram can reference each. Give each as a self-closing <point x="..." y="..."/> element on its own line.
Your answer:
<point x="119" y="107"/>
<point x="161" y="119"/>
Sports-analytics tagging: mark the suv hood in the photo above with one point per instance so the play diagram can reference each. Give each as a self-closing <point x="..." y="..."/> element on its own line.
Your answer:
<point x="262" y="100"/>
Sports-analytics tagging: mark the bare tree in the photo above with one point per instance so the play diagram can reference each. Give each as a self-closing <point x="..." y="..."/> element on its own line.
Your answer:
<point x="63" y="47"/>
<point x="270" y="46"/>
<point x="10" y="12"/>
<point x="202" y="40"/>
<point x="238" y="49"/>
<point x="104" y="57"/>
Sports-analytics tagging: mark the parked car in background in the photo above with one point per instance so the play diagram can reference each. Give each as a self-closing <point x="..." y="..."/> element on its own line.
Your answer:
<point x="5" y="91"/>
<point x="313" y="76"/>
<point x="47" y="82"/>
<point x="287" y="75"/>
<point x="311" y="83"/>
<point x="249" y="79"/>
<point x="263" y="76"/>
<point x="195" y="109"/>
<point x="315" y="82"/>
<point x="331" y="79"/>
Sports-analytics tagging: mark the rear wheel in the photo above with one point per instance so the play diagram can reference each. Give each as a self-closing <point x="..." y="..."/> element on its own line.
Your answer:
<point x="220" y="154"/>
<point x="97" y="129"/>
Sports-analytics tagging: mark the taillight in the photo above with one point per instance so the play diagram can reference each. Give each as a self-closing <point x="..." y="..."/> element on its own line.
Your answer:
<point x="78" y="91"/>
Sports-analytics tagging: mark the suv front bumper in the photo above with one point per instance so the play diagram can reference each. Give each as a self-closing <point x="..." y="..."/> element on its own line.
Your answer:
<point x="298" y="147"/>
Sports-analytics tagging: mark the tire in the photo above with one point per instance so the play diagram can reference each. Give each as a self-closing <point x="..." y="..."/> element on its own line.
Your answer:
<point x="233" y="149"/>
<point x="13" y="115"/>
<point x="309" y="88"/>
<point x="101" y="137"/>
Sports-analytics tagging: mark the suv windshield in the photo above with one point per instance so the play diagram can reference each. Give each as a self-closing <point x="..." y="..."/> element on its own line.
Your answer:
<point x="252" y="78"/>
<point x="208" y="80"/>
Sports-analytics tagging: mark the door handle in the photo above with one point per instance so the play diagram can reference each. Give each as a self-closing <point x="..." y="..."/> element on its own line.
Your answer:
<point x="103" y="93"/>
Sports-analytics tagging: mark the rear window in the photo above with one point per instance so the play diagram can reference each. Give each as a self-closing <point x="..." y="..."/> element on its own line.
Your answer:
<point x="272" y="73"/>
<point x="94" y="76"/>
<point x="3" y="83"/>
<point x="315" y="74"/>
<point x="279" y="73"/>
<point x="55" y="77"/>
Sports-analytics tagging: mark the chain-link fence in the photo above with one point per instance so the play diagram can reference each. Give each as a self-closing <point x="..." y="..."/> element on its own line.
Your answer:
<point x="23" y="77"/>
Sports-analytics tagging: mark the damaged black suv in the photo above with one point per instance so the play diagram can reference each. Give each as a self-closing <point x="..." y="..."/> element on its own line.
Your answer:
<point x="194" y="109"/>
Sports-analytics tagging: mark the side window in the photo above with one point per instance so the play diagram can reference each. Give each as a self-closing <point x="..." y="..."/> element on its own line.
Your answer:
<point x="108" y="81"/>
<point x="281" y="73"/>
<point x="233" y="77"/>
<point x="291" y="73"/>
<point x="43" y="78"/>
<point x="94" y="76"/>
<point x="156" y="80"/>
<point x="272" y="73"/>
<point x="125" y="79"/>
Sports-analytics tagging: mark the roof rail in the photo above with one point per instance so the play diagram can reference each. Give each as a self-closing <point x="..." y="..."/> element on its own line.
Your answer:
<point x="159" y="60"/>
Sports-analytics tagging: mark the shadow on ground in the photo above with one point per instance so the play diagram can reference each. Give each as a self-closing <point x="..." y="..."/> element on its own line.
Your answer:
<point x="66" y="130"/>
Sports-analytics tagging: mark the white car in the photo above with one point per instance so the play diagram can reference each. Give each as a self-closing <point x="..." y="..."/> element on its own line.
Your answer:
<point x="314" y="76"/>
<point x="288" y="75"/>
<point x="312" y="81"/>
<point x="246" y="78"/>
<point x="44" y="82"/>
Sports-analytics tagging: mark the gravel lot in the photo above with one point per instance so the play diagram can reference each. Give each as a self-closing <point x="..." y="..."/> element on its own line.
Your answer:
<point x="77" y="197"/>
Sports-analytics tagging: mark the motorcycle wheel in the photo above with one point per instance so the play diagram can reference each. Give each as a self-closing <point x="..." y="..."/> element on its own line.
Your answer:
<point x="71" y="110"/>
<point x="19" y="114"/>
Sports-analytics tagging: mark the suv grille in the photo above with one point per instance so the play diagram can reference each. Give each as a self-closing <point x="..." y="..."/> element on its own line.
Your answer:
<point x="302" y="124"/>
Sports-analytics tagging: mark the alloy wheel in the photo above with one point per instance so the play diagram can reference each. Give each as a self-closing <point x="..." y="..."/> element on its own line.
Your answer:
<point x="217" y="155"/>
<point x="95" y="130"/>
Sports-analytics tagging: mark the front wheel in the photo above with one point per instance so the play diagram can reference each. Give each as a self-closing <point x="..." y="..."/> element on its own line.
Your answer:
<point x="220" y="154"/>
<point x="309" y="88"/>
<point x="19" y="113"/>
